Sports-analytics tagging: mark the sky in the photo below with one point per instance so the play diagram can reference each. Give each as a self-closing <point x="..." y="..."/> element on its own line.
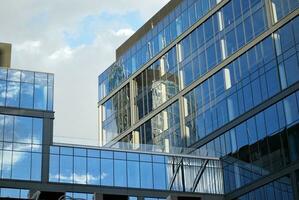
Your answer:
<point x="76" y="40"/>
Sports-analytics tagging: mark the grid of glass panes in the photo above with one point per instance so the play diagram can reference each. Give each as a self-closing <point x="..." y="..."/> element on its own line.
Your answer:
<point x="265" y="143"/>
<point x="235" y="25"/>
<point x="209" y="44"/>
<point x="14" y="193"/>
<point x="161" y="132"/>
<point x="156" y="39"/>
<point x="116" y="116"/>
<point x="157" y="84"/>
<point x="276" y="190"/>
<point x="281" y="8"/>
<point x="26" y="89"/>
<point x="21" y="146"/>
<point x="254" y="77"/>
<point x="131" y="170"/>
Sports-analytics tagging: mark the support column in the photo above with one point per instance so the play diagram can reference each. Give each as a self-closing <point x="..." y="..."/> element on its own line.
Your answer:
<point x="47" y="141"/>
<point x="98" y="196"/>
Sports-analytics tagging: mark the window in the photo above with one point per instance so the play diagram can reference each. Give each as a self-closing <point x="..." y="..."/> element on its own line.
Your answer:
<point x="271" y="119"/>
<point x="146" y="175"/>
<point x="258" y="21"/>
<point x="133" y="174"/>
<point x="291" y="69"/>
<point x="120" y="173"/>
<point x="107" y="172"/>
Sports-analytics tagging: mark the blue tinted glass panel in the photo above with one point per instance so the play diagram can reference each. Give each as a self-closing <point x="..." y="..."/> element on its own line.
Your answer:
<point x="93" y="171"/>
<point x="120" y="173"/>
<point x="79" y="169"/>
<point x="26" y="95"/>
<point x="133" y="174"/>
<point x="106" y="172"/>
<point x="146" y="173"/>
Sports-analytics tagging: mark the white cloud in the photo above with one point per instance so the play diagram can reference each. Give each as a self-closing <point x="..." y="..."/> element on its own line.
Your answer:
<point x="37" y="36"/>
<point x="63" y="53"/>
<point x="126" y="32"/>
<point x="31" y="46"/>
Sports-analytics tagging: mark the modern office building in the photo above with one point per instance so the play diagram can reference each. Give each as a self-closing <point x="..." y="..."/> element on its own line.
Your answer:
<point x="212" y="78"/>
<point x="202" y="102"/>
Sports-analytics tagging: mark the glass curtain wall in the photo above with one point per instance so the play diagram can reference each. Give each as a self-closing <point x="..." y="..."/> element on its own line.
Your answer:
<point x="26" y="89"/>
<point x="263" y="144"/>
<point x="162" y="132"/>
<point x="254" y="77"/>
<point x="156" y="39"/>
<point x="21" y="146"/>
<point x="116" y="115"/>
<point x="276" y="190"/>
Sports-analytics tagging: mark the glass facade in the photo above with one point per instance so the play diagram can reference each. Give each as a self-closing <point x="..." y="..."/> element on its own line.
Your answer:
<point x="281" y="8"/>
<point x="263" y="144"/>
<point x="162" y="133"/>
<point x="157" y="84"/>
<point x="116" y="115"/>
<point x="222" y="34"/>
<point x="26" y="89"/>
<point x="161" y="35"/>
<point x="21" y="147"/>
<point x="77" y="195"/>
<point x="204" y="100"/>
<point x="260" y="73"/>
<point x="132" y="170"/>
<point x="228" y="30"/>
<point x="276" y="190"/>
<point x="14" y="193"/>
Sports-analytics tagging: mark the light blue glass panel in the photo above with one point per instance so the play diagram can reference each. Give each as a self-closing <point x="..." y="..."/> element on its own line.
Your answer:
<point x="36" y="166"/>
<point x="54" y="168"/>
<point x="2" y="92"/>
<point x="66" y="169"/>
<point x="107" y="172"/>
<point x="27" y="77"/>
<point x="14" y="75"/>
<point x="37" y="137"/>
<point x="8" y="128"/>
<point x="40" y="97"/>
<point x="159" y="175"/>
<point x="120" y="173"/>
<point x="6" y="164"/>
<point x="26" y="98"/>
<point x="80" y="175"/>
<point x="93" y="171"/>
<point x="133" y="174"/>
<point x="10" y="192"/>
<point x="3" y="73"/>
<point x="23" y="129"/>
<point x="146" y="175"/>
<point x="13" y="94"/>
<point x="21" y="165"/>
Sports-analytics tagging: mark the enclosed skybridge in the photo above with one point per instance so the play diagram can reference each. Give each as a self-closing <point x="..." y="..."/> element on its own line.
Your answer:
<point x="129" y="172"/>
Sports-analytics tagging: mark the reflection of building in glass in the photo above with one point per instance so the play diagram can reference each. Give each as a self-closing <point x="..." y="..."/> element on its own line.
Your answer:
<point x="217" y="79"/>
<point x="202" y="102"/>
